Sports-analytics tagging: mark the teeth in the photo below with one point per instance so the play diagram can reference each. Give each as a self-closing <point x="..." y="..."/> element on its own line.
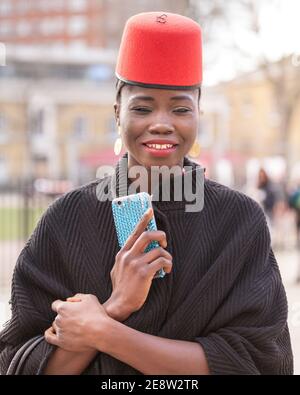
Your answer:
<point x="160" y="146"/>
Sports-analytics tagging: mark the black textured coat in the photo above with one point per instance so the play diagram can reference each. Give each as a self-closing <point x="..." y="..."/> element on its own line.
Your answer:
<point x="225" y="289"/>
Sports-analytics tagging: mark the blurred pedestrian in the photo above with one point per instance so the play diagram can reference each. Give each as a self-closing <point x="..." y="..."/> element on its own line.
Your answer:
<point x="294" y="202"/>
<point x="268" y="194"/>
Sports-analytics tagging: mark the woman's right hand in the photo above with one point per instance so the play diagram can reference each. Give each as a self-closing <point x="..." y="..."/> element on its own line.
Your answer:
<point x="133" y="271"/>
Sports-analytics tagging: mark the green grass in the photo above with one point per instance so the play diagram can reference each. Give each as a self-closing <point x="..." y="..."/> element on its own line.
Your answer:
<point x="13" y="222"/>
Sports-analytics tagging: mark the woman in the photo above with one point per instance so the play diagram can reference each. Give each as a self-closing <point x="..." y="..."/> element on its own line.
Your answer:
<point x="220" y="309"/>
<point x="269" y="194"/>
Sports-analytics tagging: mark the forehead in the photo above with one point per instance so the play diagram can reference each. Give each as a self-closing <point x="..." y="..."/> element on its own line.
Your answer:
<point x="132" y="92"/>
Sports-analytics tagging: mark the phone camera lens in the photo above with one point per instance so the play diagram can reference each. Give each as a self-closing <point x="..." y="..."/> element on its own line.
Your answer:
<point x="119" y="203"/>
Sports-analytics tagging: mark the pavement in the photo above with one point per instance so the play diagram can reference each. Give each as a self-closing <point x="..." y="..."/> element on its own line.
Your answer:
<point x="289" y="264"/>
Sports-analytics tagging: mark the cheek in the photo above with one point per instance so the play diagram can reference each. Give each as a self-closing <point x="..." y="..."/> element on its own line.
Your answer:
<point x="129" y="133"/>
<point x="189" y="129"/>
<point x="132" y="128"/>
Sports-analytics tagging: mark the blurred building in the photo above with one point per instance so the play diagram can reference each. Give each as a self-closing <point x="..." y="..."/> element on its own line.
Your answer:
<point x="213" y="135"/>
<point x="54" y="117"/>
<point x="57" y="94"/>
<point x="255" y="119"/>
<point x="52" y="22"/>
<point x="244" y="121"/>
<point x="57" y="87"/>
<point x="73" y="23"/>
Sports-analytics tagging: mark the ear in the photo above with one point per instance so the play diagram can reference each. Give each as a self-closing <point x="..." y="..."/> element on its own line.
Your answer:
<point x="117" y="113"/>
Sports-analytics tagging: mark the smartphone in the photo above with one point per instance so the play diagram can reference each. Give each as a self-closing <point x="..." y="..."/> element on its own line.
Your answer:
<point x="127" y="212"/>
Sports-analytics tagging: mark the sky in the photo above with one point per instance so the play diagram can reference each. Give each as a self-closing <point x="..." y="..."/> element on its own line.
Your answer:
<point x="280" y="36"/>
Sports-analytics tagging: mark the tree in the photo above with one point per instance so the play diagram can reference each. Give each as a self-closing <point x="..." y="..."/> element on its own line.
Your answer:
<point x="283" y="74"/>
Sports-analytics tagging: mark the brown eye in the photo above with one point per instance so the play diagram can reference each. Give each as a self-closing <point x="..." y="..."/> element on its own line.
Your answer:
<point x="141" y="110"/>
<point x="182" y="110"/>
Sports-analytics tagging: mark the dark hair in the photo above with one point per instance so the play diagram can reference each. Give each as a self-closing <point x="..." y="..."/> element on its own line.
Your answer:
<point x="120" y="84"/>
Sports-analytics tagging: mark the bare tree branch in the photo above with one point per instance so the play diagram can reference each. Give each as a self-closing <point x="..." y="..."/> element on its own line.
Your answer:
<point x="282" y="76"/>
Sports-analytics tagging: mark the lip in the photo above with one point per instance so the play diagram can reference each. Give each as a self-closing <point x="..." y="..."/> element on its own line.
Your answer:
<point x="160" y="142"/>
<point x="160" y="152"/>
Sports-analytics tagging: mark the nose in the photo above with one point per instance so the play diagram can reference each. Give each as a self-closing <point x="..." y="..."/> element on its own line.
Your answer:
<point x="161" y="125"/>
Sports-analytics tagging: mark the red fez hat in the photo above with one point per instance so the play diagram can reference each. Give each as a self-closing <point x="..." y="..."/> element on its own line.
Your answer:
<point x="161" y="50"/>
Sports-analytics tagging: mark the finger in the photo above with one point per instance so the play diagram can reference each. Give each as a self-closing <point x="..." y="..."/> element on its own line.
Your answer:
<point x="49" y="330"/>
<point x="74" y="299"/>
<point x="160" y="263"/>
<point x="55" y="326"/>
<point x="139" y="229"/>
<point x="145" y="238"/>
<point x="78" y="295"/>
<point x="50" y="337"/>
<point x="163" y="243"/>
<point x="56" y="305"/>
<point x="156" y="253"/>
<point x="46" y="333"/>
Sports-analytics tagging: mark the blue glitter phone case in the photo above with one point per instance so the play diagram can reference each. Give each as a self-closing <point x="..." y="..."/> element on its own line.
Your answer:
<point x="127" y="212"/>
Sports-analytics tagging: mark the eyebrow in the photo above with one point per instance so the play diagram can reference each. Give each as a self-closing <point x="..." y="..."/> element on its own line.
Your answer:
<point x="150" y="98"/>
<point x="147" y="98"/>
<point x="181" y="97"/>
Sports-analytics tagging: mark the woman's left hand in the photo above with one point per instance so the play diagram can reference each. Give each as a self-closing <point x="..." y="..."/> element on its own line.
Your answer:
<point x="79" y="323"/>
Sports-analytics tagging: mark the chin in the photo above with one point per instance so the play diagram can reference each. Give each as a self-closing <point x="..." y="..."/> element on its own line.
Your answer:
<point x="156" y="161"/>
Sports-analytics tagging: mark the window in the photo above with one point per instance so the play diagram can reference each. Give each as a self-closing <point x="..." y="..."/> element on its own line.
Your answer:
<point x="80" y="128"/>
<point x="247" y="108"/>
<point x="50" y="5"/>
<point x="37" y="123"/>
<point x="50" y="26"/>
<point x="2" y="55"/>
<point x="43" y="5"/>
<point x="205" y="132"/>
<point x="3" y="129"/>
<point x="5" y="7"/>
<point x="2" y="122"/>
<point x="100" y="72"/>
<point x="6" y="28"/>
<point x="77" y="5"/>
<point x="77" y="25"/>
<point x="23" y="28"/>
<point x="3" y="170"/>
<point x="23" y="6"/>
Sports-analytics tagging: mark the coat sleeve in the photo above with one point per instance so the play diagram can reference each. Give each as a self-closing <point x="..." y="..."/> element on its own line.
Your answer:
<point x="38" y="280"/>
<point x="249" y="332"/>
<point x="31" y="315"/>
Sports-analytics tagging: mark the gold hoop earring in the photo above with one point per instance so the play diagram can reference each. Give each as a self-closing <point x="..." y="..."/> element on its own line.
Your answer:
<point x="118" y="143"/>
<point x="194" y="152"/>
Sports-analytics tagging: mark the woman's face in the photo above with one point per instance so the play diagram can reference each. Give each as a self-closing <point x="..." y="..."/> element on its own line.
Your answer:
<point x="158" y="126"/>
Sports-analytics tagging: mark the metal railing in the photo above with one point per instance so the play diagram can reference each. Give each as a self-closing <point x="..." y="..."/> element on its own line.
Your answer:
<point x="21" y="206"/>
